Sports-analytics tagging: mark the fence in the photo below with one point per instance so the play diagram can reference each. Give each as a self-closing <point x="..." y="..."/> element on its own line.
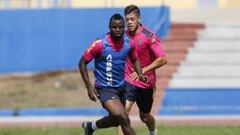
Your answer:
<point x="54" y="39"/>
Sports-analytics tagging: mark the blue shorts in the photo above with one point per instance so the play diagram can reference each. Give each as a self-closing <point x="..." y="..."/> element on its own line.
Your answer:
<point x="111" y="93"/>
<point x="143" y="97"/>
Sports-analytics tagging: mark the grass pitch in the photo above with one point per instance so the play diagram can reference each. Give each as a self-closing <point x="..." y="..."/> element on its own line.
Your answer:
<point x="162" y="130"/>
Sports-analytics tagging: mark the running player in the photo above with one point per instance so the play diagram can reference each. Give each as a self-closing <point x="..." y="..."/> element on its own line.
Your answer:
<point x="110" y="53"/>
<point x="151" y="56"/>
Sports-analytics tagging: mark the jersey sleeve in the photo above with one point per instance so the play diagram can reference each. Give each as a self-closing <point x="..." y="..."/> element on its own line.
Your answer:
<point x="94" y="50"/>
<point x="156" y="46"/>
<point x="133" y="52"/>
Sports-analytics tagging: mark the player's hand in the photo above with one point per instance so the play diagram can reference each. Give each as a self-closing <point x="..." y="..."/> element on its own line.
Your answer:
<point x="133" y="76"/>
<point x="143" y="78"/>
<point x="93" y="94"/>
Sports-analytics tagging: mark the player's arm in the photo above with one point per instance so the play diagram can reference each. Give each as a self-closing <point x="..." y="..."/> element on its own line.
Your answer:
<point x="89" y="54"/>
<point x="157" y="49"/>
<point x="84" y="73"/>
<point x="160" y="61"/>
<point x="137" y="66"/>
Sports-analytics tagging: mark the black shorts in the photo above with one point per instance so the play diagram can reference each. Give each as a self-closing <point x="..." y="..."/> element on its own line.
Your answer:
<point x="143" y="97"/>
<point x="111" y="93"/>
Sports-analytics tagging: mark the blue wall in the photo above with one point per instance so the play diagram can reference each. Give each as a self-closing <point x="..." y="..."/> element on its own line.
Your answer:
<point x="202" y="101"/>
<point x="85" y="111"/>
<point x="45" y="40"/>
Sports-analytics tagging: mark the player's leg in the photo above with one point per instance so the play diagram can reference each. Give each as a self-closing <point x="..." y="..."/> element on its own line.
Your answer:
<point x="112" y="100"/>
<point x="128" y="107"/>
<point x="117" y="110"/>
<point x="149" y="120"/>
<point x="145" y="102"/>
<point x="130" y="96"/>
<point x="105" y="122"/>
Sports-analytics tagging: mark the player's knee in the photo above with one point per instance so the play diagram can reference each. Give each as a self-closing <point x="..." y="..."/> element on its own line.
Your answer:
<point x="115" y="124"/>
<point x="123" y="119"/>
<point x="144" y="120"/>
<point x="144" y="117"/>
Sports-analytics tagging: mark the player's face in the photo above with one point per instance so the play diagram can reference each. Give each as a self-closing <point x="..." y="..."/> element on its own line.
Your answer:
<point x="132" y="21"/>
<point x="117" y="29"/>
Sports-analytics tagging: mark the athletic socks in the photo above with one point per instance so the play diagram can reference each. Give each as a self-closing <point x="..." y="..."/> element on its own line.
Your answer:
<point x="94" y="126"/>
<point x="154" y="132"/>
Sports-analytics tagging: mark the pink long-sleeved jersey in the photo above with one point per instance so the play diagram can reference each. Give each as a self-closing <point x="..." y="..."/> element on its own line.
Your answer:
<point x="148" y="47"/>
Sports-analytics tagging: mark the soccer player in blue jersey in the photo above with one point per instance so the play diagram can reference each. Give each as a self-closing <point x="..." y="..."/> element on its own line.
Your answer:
<point x="110" y="53"/>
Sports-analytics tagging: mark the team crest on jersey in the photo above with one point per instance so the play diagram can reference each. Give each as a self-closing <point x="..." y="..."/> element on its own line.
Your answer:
<point x="140" y="42"/>
<point x="153" y="40"/>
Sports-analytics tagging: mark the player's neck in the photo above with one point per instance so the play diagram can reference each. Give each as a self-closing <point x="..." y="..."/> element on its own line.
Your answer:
<point x="134" y="32"/>
<point x="116" y="39"/>
<point x="117" y="44"/>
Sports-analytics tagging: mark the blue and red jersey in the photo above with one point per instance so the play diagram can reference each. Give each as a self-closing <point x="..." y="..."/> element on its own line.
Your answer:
<point x="110" y="58"/>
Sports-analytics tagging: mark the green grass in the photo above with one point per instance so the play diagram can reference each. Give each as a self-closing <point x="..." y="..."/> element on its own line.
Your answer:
<point x="163" y="130"/>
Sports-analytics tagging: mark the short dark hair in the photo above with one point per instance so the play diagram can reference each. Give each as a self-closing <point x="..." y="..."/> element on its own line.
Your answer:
<point x="116" y="16"/>
<point x="132" y="8"/>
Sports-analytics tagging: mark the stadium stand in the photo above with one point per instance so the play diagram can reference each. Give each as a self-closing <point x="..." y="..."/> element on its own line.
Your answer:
<point x="207" y="81"/>
<point x="213" y="61"/>
<point x="180" y="38"/>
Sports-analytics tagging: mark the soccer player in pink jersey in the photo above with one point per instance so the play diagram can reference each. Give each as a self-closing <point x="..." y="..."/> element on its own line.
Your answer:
<point x="110" y="53"/>
<point x="151" y="56"/>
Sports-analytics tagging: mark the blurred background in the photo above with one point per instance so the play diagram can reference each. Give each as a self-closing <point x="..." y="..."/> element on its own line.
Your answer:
<point x="41" y="42"/>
